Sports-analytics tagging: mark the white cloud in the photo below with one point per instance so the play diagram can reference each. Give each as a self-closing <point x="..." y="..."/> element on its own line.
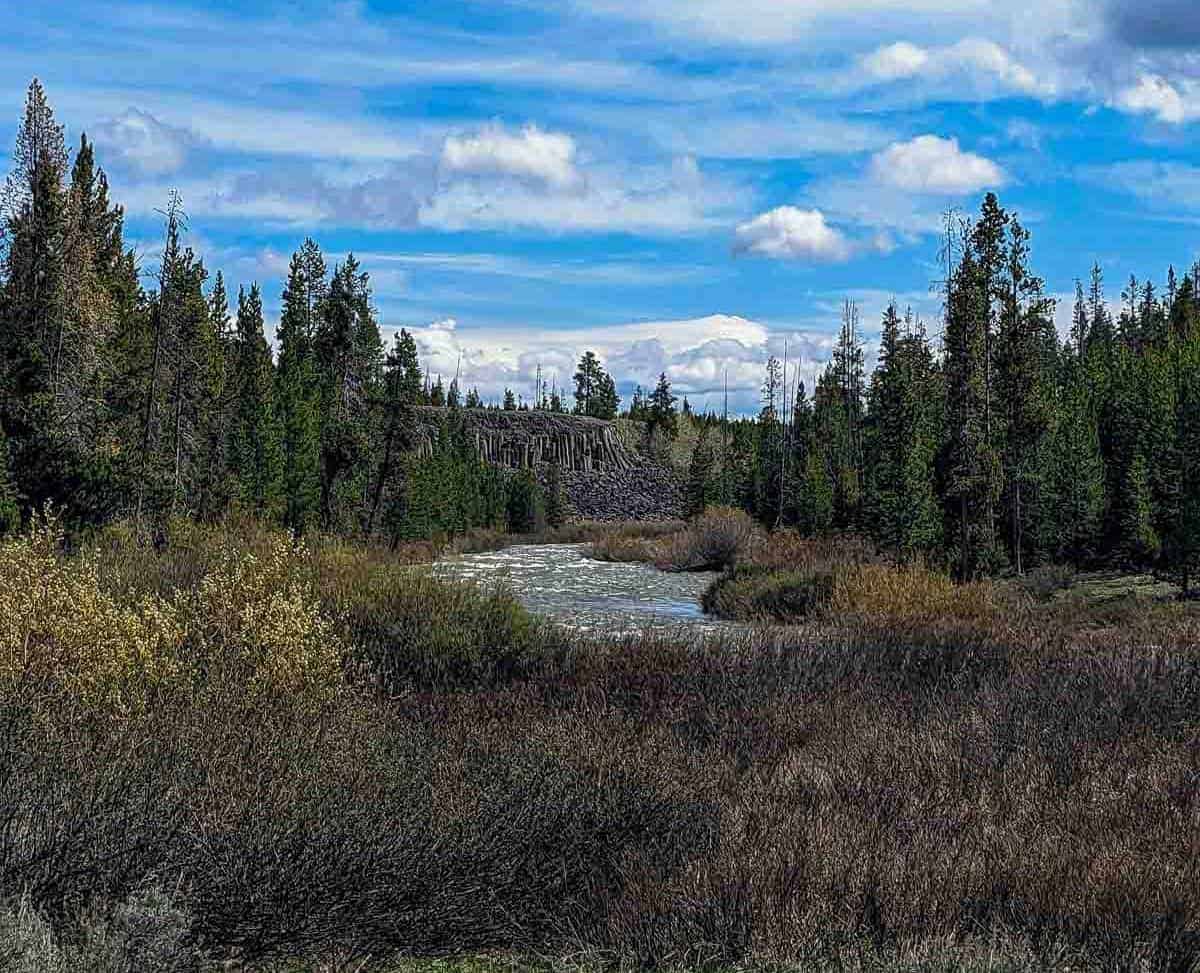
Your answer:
<point x="140" y="141"/>
<point x="1155" y="95"/>
<point x="978" y="60"/>
<point x="895" y="61"/>
<point x="929" y="164"/>
<point x="654" y="199"/>
<point x="544" y="157"/>
<point x="695" y="353"/>
<point x="788" y="233"/>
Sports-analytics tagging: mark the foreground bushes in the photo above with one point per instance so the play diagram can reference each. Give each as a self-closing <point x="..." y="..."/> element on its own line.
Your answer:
<point x="887" y="790"/>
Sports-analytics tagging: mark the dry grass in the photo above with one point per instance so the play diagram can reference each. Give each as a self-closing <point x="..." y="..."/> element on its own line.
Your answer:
<point x="717" y="539"/>
<point x="880" y="791"/>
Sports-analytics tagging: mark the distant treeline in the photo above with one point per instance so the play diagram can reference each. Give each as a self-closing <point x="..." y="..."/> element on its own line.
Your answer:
<point x="1005" y="447"/>
<point x="998" y="449"/>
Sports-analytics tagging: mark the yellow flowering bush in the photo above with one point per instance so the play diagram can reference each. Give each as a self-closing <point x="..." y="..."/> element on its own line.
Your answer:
<point x="257" y="618"/>
<point x="60" y="631"/>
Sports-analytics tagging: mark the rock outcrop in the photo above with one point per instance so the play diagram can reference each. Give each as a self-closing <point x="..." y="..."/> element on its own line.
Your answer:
<point x="603" y="480"/>
<point x="530" y="440"/>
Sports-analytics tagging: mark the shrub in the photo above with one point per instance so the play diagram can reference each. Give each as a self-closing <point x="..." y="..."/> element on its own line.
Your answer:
<point x="715" y="540"/>
<point x="258" y="621"/>
<point x="405" y="628"/>
<point x="1045" y="581"/>
<point x="147" y="933"/>
<point x="756" y="594"/>
<point x="62" y="633"/>
<point x="27" y="940"/>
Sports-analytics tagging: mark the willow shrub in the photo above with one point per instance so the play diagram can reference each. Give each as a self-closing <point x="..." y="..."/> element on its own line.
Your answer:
<point x="864" y="590"/>
<point x="102" y="631"/>
<point x="62" y="633"/>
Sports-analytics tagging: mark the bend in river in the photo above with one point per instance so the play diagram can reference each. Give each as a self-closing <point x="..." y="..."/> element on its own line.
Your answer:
<point x="561" y="582"/>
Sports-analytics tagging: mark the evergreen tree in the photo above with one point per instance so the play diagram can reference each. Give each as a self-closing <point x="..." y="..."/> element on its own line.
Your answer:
<point x="968" y="457"/>
<point x="1026" y="351"/>
<point x="905" y="406"/>
<point x="10" y="508"/>
<point x="525" y="508"/>
<point x="298" y="388"/>
<point x="662" y="415"/>
<point x="401" y="378"/>
<point x="1182" y="536"/>
<point x="700" y="477"/>
<point x="256" y="447"/>
<point x="1076" y="481"/>
<point x="557" y="507"/>
<point x="510" y="401"/>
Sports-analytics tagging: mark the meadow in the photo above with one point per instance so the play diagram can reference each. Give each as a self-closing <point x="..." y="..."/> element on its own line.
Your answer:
<point x="233" y="750"/>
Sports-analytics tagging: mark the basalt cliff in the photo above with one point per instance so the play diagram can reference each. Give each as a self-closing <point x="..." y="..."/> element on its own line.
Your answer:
<point x="603" y="479"/>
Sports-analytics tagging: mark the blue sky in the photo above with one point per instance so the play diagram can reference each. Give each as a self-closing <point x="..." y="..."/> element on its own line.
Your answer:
<point x="680" y="184"/>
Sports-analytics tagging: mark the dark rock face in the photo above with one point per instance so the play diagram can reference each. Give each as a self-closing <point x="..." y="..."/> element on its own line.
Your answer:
<point x="644" y="491"/>
<point x="602" y="479"/>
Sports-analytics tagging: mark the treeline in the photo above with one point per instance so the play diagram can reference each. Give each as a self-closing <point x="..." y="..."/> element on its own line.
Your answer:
<point x="166" y="399"/>
<point x="998" y="448"/>
<point x="1005" y="448"/>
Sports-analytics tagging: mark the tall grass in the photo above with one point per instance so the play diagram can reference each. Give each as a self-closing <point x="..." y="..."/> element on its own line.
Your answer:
<point x="875" y="791"/>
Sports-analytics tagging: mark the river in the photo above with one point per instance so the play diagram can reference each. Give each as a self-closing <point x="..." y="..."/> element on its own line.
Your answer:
<point x="561" y="582"/>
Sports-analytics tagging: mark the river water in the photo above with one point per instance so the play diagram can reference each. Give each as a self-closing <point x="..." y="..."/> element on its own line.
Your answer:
<point x="561" y="582"/>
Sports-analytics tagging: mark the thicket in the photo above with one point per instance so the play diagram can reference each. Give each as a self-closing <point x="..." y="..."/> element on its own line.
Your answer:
<point x="316" y="753"/>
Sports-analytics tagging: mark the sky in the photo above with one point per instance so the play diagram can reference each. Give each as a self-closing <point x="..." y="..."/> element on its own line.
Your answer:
<point x="682" y="185"/>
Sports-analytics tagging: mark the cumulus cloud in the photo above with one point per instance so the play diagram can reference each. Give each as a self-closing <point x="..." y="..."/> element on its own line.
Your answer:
<point x="139" y="141"/>
<point x="789" y="233"/>
<point x="976" y="59"/>
<point x="895" y="61"/>
<point x="930" y="164"/>
<point x="491" y="179"/>
<point x="696" y="354"/>
<point x="533" y="154"/>
<point x="1155" y="95"/>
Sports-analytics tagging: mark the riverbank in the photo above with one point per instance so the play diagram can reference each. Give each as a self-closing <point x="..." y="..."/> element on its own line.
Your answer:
<point x="233" y="748"/>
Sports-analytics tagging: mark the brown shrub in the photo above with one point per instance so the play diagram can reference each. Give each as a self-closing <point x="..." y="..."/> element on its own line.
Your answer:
<point x="880" y="788"/>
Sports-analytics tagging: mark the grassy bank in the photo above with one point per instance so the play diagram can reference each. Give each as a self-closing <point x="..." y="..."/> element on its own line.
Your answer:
<point x="314" y="758"/>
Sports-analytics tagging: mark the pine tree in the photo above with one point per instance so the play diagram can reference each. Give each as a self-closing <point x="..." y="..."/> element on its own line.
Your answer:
<point x="1181" y="534"/>
<point x="525" y="507"/>
<point x="510" y="401"/>
<point x="217" y="402"/>
<point x="557" y="507"/>
<point x="298" y="387"/>
<point x="905" y="406"/>
<point x="402" y="373"/>
<point x="1026" y="351"/>
<point x="36" y="207"/>
<point x="349" y="352"/>
<point x="662" y="422"/>
<point x="700" y="476"/>
<point x="256" y="444"/>
<point x="1141" y="544"/>
<point x="968" y="456"/>
<point x="10" y="509"/>
<point x="1076" y="482"/>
